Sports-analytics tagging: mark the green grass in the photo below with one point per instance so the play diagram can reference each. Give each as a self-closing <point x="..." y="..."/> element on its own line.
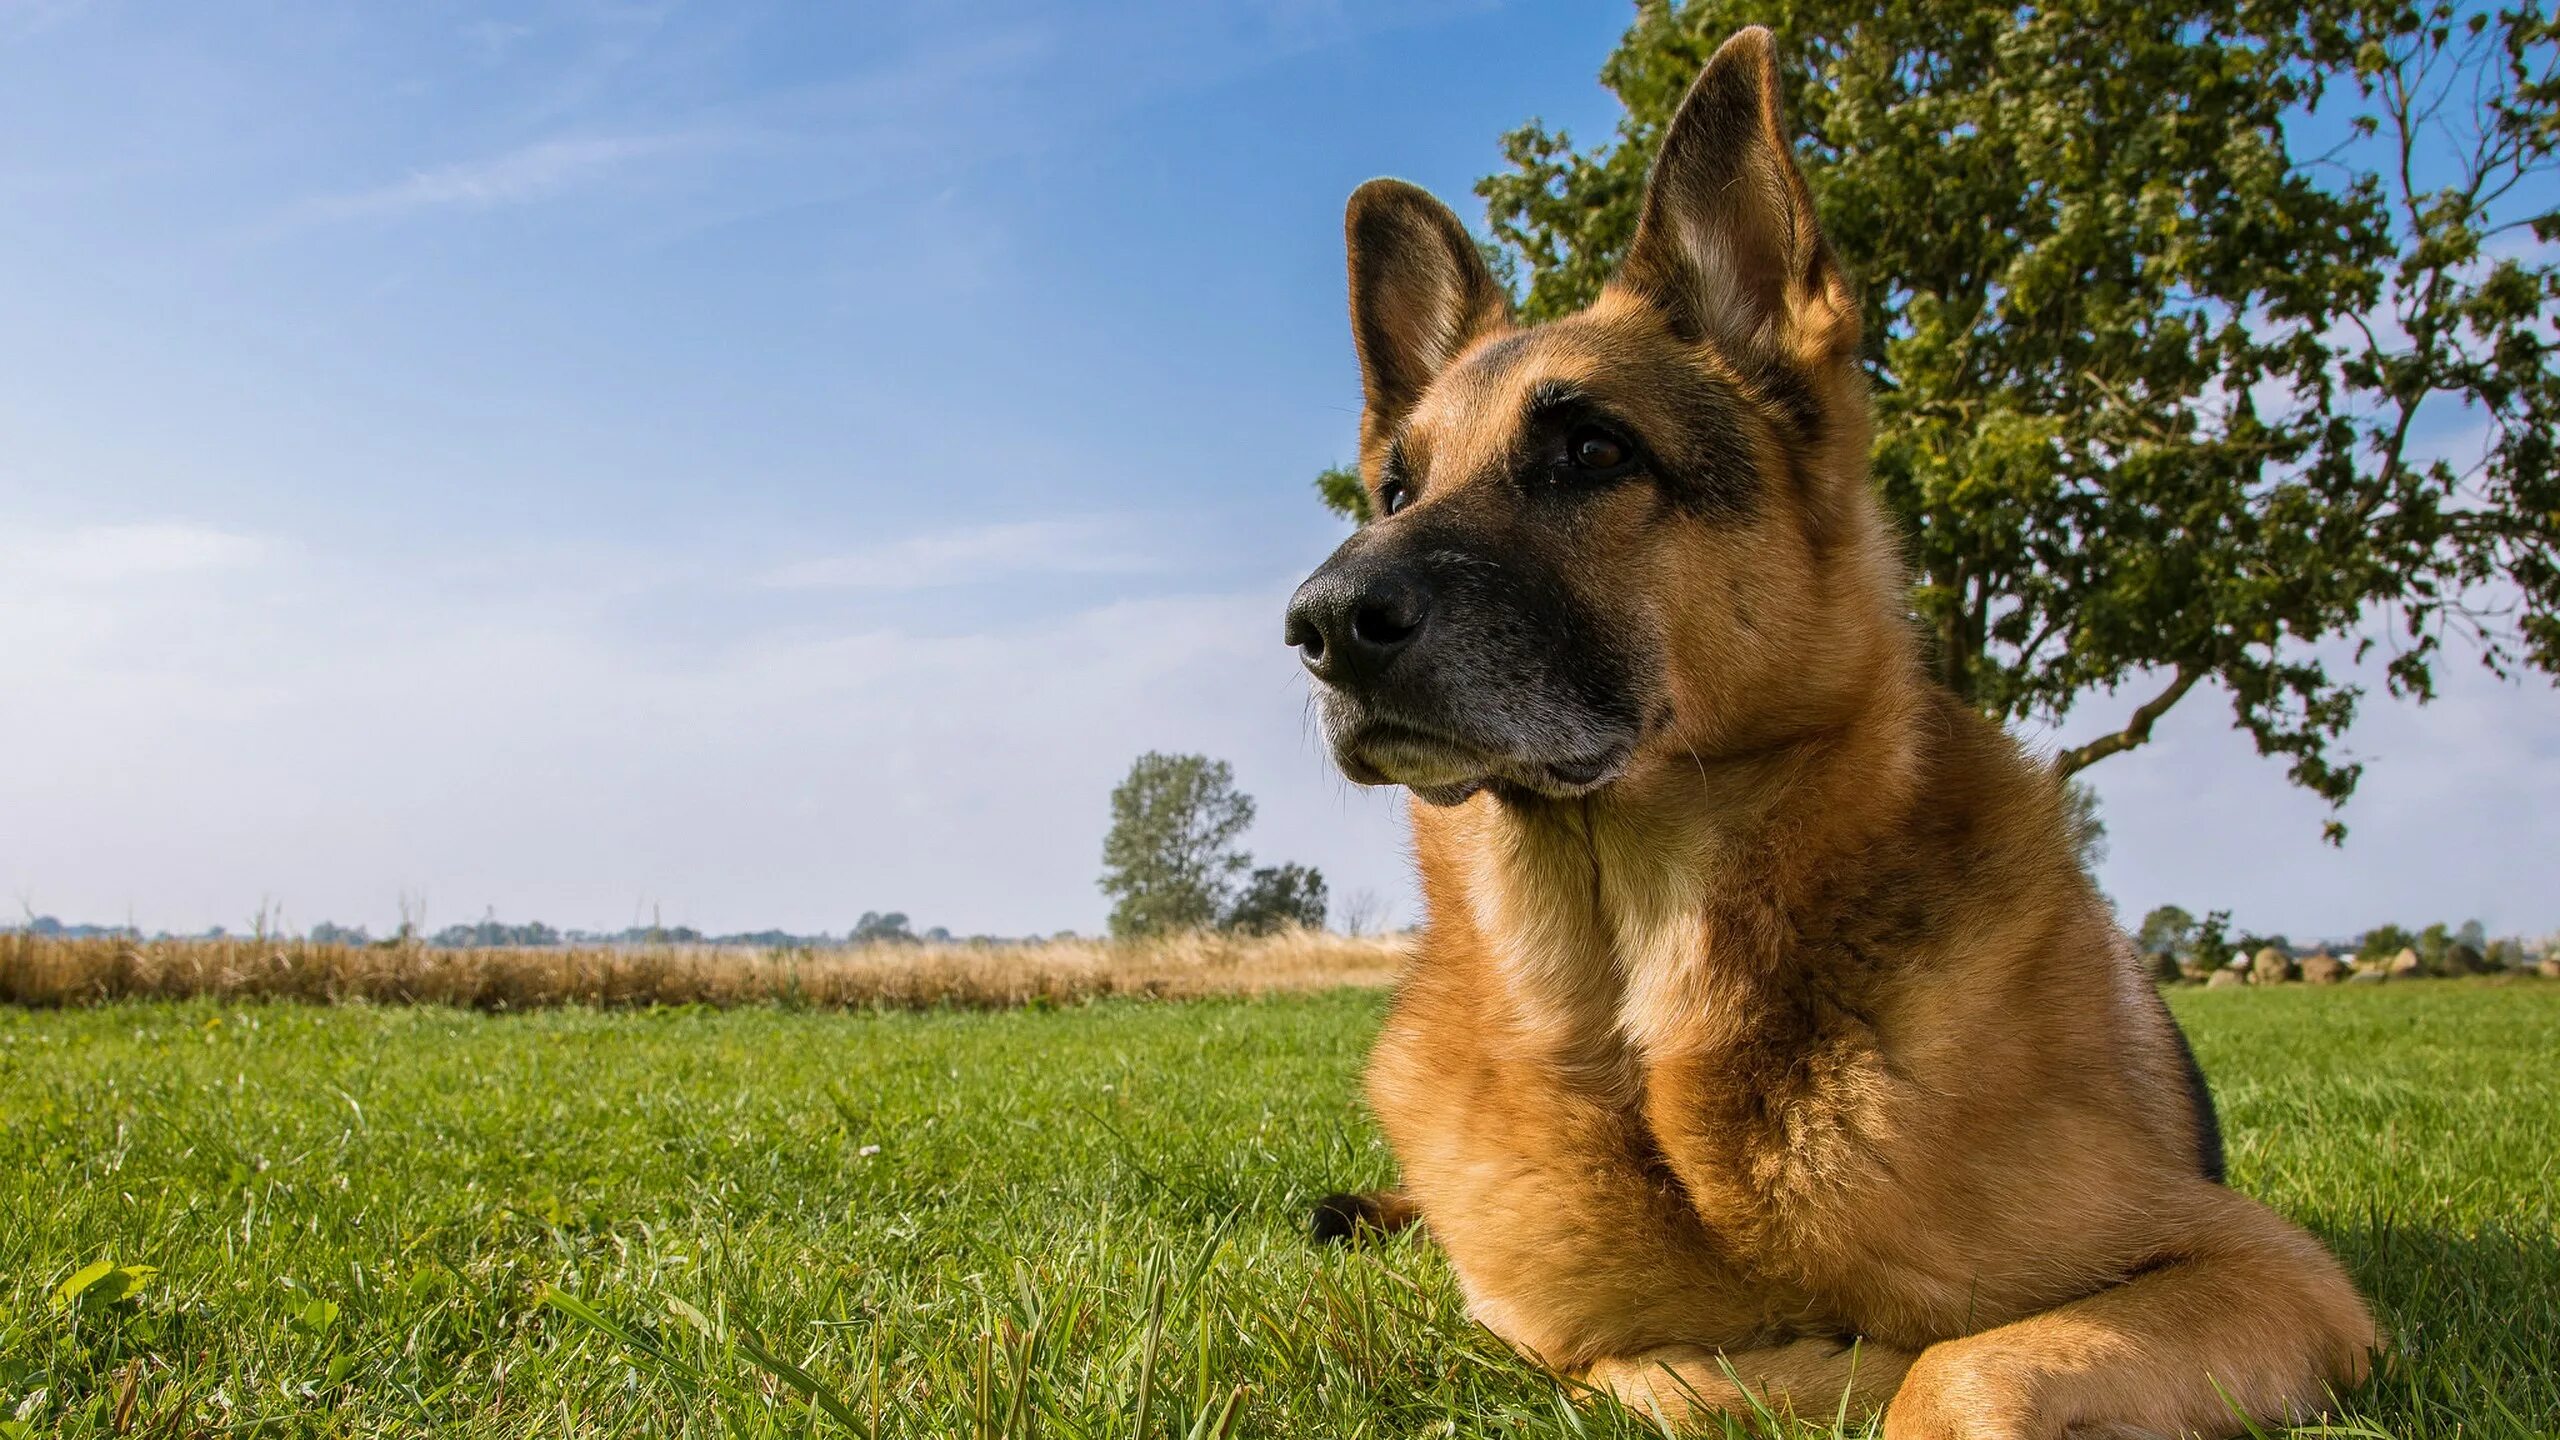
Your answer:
<point x="377" y="1221"/>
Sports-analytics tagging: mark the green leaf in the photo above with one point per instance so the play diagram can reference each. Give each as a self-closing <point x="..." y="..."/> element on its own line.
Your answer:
<point x="315" y="1316"/>
<point x="1344" y="493"/>
<point x="685" y="1311"/>
<point x="80" y="1281"/>
<point x="102" y="1283"/>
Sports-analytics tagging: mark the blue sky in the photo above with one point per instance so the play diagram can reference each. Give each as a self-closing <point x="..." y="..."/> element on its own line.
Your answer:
<point x="755" y="464"/>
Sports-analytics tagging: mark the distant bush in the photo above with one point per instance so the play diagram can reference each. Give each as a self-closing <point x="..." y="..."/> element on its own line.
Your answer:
<point x="491" y="934"/>
<point x="875" y="928"/>
<point x="1275" y="898"/>
<point x="2382" y="942"/>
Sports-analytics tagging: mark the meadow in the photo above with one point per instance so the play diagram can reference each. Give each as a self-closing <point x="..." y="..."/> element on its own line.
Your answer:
<point x="1075" y="1219"/>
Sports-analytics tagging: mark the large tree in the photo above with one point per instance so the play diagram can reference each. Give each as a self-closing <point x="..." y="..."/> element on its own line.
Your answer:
<point x="1171" y="860"/>
<point x="2168" y="308"/>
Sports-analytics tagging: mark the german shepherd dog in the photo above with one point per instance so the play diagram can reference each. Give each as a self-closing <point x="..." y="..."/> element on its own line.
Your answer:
<point x="1765" y="1040"/>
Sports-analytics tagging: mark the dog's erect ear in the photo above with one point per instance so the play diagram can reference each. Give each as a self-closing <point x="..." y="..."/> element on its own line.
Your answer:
<point x="1420" y="293"/>
<point x="1727" y="244"/>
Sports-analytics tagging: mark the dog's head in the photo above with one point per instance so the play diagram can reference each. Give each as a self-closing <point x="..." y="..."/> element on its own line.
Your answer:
<point x="1641" y="531"/>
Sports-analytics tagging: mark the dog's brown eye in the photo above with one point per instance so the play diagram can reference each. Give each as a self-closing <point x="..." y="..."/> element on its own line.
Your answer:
<point x="1392" y="495"/>
<point x="1596" y="450"/>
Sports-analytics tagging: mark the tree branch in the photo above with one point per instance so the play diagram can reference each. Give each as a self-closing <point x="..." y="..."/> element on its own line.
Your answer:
<point x="2137" y="731"/>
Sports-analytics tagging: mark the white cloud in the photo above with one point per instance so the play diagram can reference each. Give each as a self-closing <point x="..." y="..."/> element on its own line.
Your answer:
<point x="529" y="173"/>
<point x="117" y="554"/>
<point x="493" y="41"/>
<point x="353" y="728"/>
<point x="971" y="556"/>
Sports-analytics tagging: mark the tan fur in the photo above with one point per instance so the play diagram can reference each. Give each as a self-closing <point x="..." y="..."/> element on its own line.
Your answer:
<point x="1806" y="1030"/>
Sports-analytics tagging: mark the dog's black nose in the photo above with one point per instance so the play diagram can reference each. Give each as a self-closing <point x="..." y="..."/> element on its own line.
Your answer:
<point x="1349" y="621"/>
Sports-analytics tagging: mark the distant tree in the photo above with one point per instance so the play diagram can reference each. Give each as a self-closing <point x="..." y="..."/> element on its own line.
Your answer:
<point x="875" y="928"/>
<point x="763" y="939"/>
<point x="2448" y="950"/>
<point x="2212" y="949"/>
<point x="47" y="925"/>
<point x="2158" y="365"/>
<point x="1365" y="913"/>
<point x="491" y="933"/>
<point x="2167" y="930"/>
<point x="2431" y="946"/>
<point x="1171" y="859"/>
<point x="327" y="933"/>
<point x="1275" y="898"/>
<point x="2384" y="941"/>
<point x="657" y="934"/>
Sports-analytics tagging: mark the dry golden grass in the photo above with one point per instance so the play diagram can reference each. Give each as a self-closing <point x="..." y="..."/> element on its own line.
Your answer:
<point x="44" y="971"/>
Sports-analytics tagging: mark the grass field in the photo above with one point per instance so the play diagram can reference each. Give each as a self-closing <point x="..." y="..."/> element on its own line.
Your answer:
<point x="1078" y="1221"/>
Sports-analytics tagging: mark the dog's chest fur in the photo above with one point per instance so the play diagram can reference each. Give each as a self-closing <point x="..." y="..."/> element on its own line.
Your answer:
<point x="1633" y="976"/>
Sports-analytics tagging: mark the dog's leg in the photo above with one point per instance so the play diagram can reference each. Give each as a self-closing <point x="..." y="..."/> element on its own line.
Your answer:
<point x="2248" y="1316"/>
<point x="1346" y="1219"/>
<point x="1810" y="1379"/>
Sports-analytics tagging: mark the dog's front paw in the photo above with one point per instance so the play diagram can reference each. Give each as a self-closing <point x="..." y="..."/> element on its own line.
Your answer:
<point x="1682" y="1384"/>
<point x="1952" y="1393"/>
